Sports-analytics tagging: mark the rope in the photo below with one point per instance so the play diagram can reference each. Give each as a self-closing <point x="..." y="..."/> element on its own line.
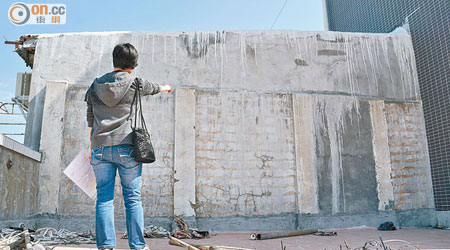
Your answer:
<point x="45" y="236"/>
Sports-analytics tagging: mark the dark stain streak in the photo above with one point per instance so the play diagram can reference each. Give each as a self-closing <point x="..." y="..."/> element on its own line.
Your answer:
<point x="331" y="52"/>
<point x="197" y="46"/>
<point x="301" y="62"/>
<point x="338" y="39"/>
<point x="250" y="51"/>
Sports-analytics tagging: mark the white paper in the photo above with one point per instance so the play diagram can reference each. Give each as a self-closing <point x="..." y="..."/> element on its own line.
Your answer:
<point x="81" y="173"/>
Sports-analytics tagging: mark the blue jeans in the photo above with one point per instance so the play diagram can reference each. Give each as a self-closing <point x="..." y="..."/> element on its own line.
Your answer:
<point x="106" y="161"/>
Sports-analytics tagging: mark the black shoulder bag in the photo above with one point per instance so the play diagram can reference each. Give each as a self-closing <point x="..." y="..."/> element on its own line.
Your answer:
<point x="143" y="148"/>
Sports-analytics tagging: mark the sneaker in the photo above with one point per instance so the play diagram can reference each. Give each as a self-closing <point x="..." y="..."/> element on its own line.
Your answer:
<point x="145" y="248"/>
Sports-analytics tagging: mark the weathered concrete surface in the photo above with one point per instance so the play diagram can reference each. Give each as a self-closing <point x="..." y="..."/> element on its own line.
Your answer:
<point x="345" y="162"/>
<point x="411" y="174"/>
<point x="18" y="188"/>
<point x="305" y="156"/>
<point x="416" y="217"/>
<point x="377" y="65"/>
<point x="443" y="218"/>
<point x="51" y="146"/>
<point x="382" y="157"/>
<point x="75" y="133"/>
<point x="184" y="160"/>
<point x="288" y="130"/>
<point x="244" y="154"/>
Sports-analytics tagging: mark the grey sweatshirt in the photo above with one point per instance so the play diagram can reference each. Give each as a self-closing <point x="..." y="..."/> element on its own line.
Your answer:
<point x="109" y="101"/>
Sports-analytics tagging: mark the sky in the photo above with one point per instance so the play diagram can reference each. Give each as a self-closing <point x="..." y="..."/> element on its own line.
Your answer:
<point x="150" y="15"/>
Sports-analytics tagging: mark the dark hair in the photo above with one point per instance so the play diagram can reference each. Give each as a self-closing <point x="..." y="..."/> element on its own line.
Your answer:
<point x="125" y="56"/>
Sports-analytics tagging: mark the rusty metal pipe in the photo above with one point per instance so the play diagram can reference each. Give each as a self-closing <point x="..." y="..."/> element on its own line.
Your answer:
<point x="14" y="42"/>
<point x="273" y="235"/>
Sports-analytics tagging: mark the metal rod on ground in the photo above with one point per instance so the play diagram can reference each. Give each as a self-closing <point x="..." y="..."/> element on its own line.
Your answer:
<point x="177" y="242"/>
<point x="273" y="235"/>
<point x="228" y="248"/>
<point x="210" y="247"/>
<point x="203" y="247"/>
<point x="220" y="248"/>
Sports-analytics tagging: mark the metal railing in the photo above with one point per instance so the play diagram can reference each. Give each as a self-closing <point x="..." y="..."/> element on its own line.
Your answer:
<point x="16" y="107"/>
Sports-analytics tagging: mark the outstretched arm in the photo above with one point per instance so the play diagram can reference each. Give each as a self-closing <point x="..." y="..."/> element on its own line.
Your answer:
<point x="150" y="88"/>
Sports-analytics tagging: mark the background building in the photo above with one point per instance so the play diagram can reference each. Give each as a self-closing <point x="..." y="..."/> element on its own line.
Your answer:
<point x="429" y="26"/>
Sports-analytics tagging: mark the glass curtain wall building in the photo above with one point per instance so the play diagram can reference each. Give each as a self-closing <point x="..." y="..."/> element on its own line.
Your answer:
<point x="429" y="26"/>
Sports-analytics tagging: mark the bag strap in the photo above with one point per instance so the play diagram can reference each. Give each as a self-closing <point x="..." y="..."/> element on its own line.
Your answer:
<point x="137" y="105"/>
<point x="133" y="105"/>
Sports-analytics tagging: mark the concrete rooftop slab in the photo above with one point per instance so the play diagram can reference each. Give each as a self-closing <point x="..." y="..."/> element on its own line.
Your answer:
<point x="424" y="239"/>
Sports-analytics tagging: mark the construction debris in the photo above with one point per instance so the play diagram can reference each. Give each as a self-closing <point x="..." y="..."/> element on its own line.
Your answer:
<point x="273" y="235"/>
<point x="153" y="231"/>
<point x="51" y="236"/>
<point x="177" y="242"/>
<point x="322" y="233"/>
<point x="14" y="241"/>
<point x="26" y="48"/>
<point x="20" y="237"/>
<point x="387" y="226"/>
<point x="182" y="231"/>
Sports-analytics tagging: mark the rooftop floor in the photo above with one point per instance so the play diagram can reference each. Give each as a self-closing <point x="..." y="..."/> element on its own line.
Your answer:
<point x="424" y="239"/>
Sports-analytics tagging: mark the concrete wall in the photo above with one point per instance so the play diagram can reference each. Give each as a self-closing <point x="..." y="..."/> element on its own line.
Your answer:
<point x="443" y="218"/>
<point x="18" y="184"/>
<point x="409" y="159"/>
<point x="373" y="65"/>
<point x="267" y="130"/>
